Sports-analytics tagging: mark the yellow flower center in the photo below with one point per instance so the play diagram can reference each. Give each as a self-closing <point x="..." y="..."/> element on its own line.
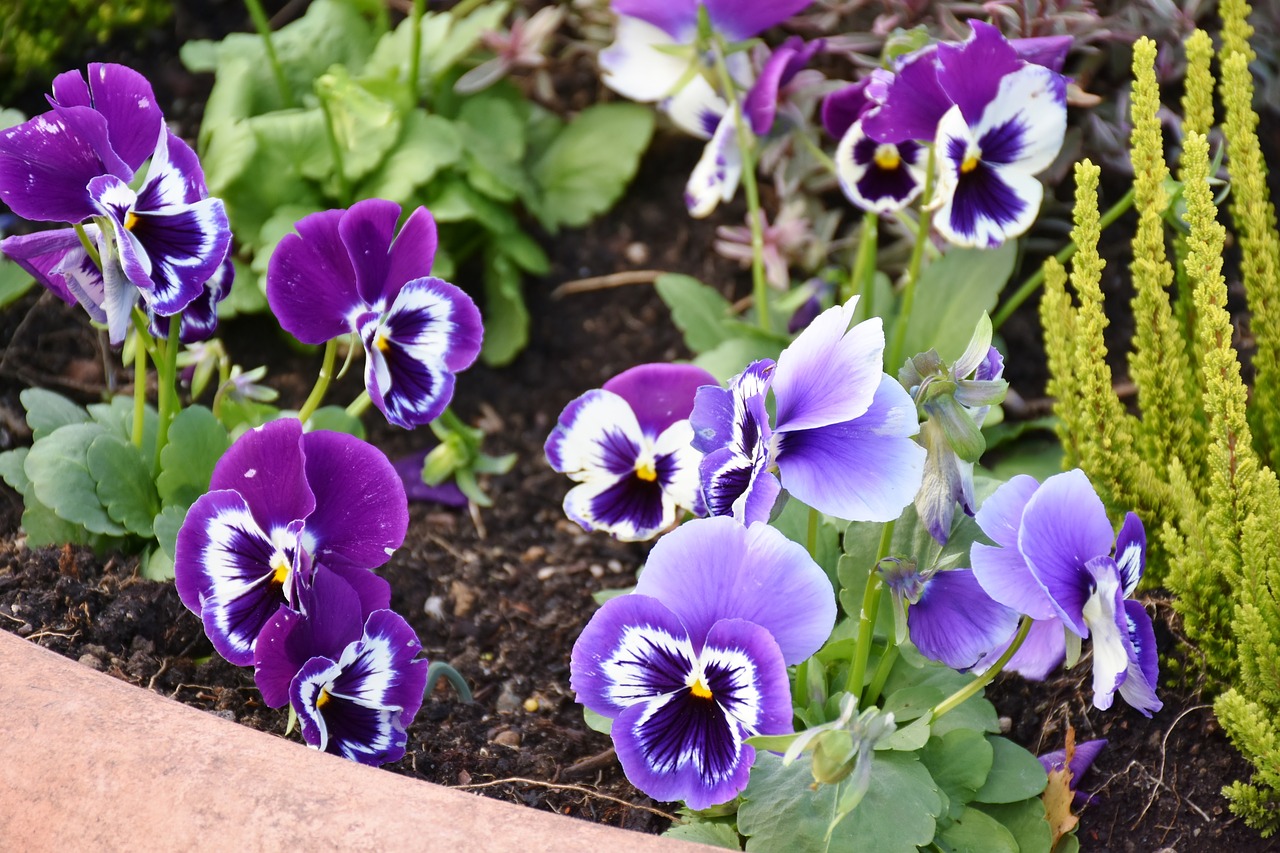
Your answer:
<point x="971" y="159"/>
<point x="280" y="568"/>
<point x="699" y="688"/>
<point x="887" y="156"/>
<point x="646" y="471"/>
<point x="323" y="699"/>
<point x="382" y="342"/>
<point x="130" y="220"/>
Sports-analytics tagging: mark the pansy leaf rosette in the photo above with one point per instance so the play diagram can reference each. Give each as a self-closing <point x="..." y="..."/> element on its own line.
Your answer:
<point x="841" y="439"/>
<point x="275" y="491"/>
<point x="348" y="271"/>
<point x="695" y="660"/>
<point x="628" y="445"/>
<point x="351" y="675"/>
<point x="77" y="164"/>
<point x="1056" y="559"/>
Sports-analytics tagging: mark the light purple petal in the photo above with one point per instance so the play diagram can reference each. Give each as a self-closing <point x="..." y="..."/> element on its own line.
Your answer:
<point x="266" y="467"/>
<point x="1049" y="51"/>
<point x="660" y="394"/>
<point x="311" y="286"/>
<point x="1000" y="516"/>
<point x="1043" y="651"/>
<point x="761" y="104"/>
<point x="955" y="622"/>
<point x="866" y="469"/>
<point x="1081" y="760"/>
<point x="830" y="373"/>
<point x="742" y="19"/>
<point x="735" y="417"/>
<point x="1006" y="577"/>
<point x="714" y="568"/>
<point x="361" y="514"/>
<point x="1131" y="552"/>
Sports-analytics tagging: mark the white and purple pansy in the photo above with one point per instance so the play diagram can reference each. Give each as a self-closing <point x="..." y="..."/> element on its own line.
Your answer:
<point x="841" y="439"/>
<point x="1054" y="560"/>
<point x="276" y="491"/>
<point x="353" y="678"/>
<point x="880" y="177"/>
<point x="695" y="660"/>
<point x="628" y="445"/>
<point x="348" y="271"/>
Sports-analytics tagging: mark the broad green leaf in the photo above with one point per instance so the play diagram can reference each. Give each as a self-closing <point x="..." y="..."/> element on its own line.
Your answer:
<point x="196" y="442"/>
<point x="908" y="738"/>
<point x="43" y="527"/>
<point x="525" y="252"/>
<point x="451" y="199"/>
<point x="11" y="117"/>
<point x="706" y="832"/>
<point x="781" y="812"/>
<point x="248" y="293"/>
<point x="959" y="762"/>
<point x="1015" y="774"/>
<point x="336" y="419"/>
<point x="365" y="126"/>
<point x="852" y="571"/>
<point x="235" y="91"/>
<point x="975" y="832"/>
<point x="697" y="310"/>
<point x="597" y="722"/>
<point x="46" y="411"/>
<point x="951" y="295"/>
<point x="492" y="132"/>
<point x="1025" y="820"/>
<point x="506" y="323"/>
<point x="117" y="416"/>
<point x="58" y="468"/>
<point x="731" y="357"/>
<point x="166" y="524"/>
<point x="124" y="483"/>
<point x="428" y="144"/>
<point x="14" y="281"/>
<point x="11" y="471"/>
<point x="157" y="565"/>
<point x="908" y="703"/>
<point x="589" y="164"/>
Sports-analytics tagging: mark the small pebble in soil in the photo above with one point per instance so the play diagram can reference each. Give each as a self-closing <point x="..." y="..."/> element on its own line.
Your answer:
<point x="434" y="607"/>
<point x="531" y="705"/>
<point x="507" y="738"/>
<point x="91" y="661"/>
<point x="636" y="253"/>
<point x="226" y="714"/>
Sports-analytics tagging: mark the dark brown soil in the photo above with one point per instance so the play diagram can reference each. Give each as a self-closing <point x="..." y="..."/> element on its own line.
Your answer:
<point x="503" y="601"/>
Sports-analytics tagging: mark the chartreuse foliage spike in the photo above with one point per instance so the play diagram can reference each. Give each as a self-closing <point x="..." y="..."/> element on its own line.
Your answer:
<point x="1254" y="216"/>
<point x="1197" y="99"/>
<point x="1167" y="391"/>
<point x="1058" y="316"/>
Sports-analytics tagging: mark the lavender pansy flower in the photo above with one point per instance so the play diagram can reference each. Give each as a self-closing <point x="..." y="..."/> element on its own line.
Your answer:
<point x="628" y="445"/>
<point x="694" y="662"/>
<point x="841" y="438"/>
<point x="1054" y="559"/>
<point x="782" y="67"/>
<point x="352" y="677"/>
<point x="276" y="491"/>
<point x="349" y="271"/>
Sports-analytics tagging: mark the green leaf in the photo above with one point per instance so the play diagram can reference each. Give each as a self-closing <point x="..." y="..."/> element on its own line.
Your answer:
<point x="166" y="525"/>
<point x="506" y="324"/>
<point x="959" y="762"/>
<point x="11" y="471"/>
<point x="196" y="442"/>
<point x="1015" y="774"/>
<point x="699" y="311"/>
<point x="46" y="411"/>
<point x="428" y="144"/>
<point x="117" y="417"/>
<point x="597" y="722"/>
<point x="1025" y="820"/>
<point x="951" y="295"/>
<point x="706" y="832"/>
<point x="336" y="419"/>
<point x="157" y="565"/>
<point x="14" y="281"/>
<point x="525" y="252"/>
<point x="58" y="468"/>
<point x="590" y="162"/>
<point x="365" y="126"/>
<point x="492" y="132"/>
<point x="897" y="814"/>
<point x="124" y="484"/>
<point x="975" y="832"/>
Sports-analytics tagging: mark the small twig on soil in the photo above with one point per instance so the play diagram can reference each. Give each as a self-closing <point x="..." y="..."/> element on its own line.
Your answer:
<point x="13" y="618"/>
<point x="517" y="780"/>
<point x="1164" y="743"/>
<point x="592" y="764"/>
<point x="37" y="635"/>
<point x="164" y="665"/>
<point x="603" y="282"/>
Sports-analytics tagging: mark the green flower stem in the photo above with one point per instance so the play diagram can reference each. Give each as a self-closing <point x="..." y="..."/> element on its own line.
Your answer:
<point x="815" y="518"/>
<point x="863" y="274"/>
<point x="344" y="185"/>
<point x="958" y="698"/>
<point x="88" y="246"/>
<point x="139" y="392"/>
<point x="881" y="675"/>
<point x="894" y="355"/>
<point x="322" y="381"/>
<point x="360" y="405"/>
<point x="415" y="55"/>
<point x="759" y="285"/>
<point x="1032" y="284"/>
<point x="823" y="158"/>
<point x="867" y="617"/>
<point x="168" y="404"/>
<point x="263" y="26"/>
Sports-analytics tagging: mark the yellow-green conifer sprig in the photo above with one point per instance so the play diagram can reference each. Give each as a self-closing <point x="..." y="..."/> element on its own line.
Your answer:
<point x="1058" y="319"/>
<point x="1197" y="97"/>
<point x="1253" y="732"/>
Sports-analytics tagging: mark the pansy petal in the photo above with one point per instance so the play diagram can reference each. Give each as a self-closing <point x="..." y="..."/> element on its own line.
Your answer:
<point x="382" y="669"/>
<point x="1025" y="124"/>
<point x="366" y="231"/>
<point x="409" y="468"/>
<point x="971" y="73"/>
<point x="46" y="165"/>
<point x="597" y="436"/>
<point x="304" y="695"/>
<point x="830" y="373"/>
<point x="266" y="467"/>
<point x="714" y="568"/>
<point x="1000" y="515"/>
<point x="1143" y="672"/>
<point x="696" y="108"/>
<point x="689" y="745"/>
<point x="761" y="104"/>
<point x="660" y="394"/>
<point x="955" y="622"/>
<point x="638" y="65"/>
<point x="628" y="508"/>
<point x="1131" y="552"/>
<point x="1043" y="651"/>
<point x="174" y="177"/>
<point x="1049" y="51"/>
<point x="677" y="18"/>
<point x="913" y="102"/>
<point x="200" y="318"/>
<point x="866" y="469"/>
<point x="1108" y="626"/>
<point x="742" y="19"/>
<point x="119" y="294"/>
<point x="676" y="464"/>
<point x="311" y="286"/>
<point x="186" y="246"/>
<point x="843" y="107"/>
<point x="715" y="177"/>
<point x="412" y="253"/>
<point x="39" y="254"/>
<point x="881" y="177"/>
<point x="734" y="417"/>
<point x="1006" y="577"/>
<point x="125" y="99"/>
<point x="986" y="206"/>
<point x="361" y="513"/>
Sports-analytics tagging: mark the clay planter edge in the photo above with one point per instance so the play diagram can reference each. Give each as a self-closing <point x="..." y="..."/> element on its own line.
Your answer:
<point x="94" y="763"/>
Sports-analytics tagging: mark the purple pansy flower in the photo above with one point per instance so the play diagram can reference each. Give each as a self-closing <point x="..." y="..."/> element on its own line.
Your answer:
<point x="628" y="445"/>
<point x="352" y="677"/>
<point x="694" y="662"/>
<point x="880" y="177"/>
<point x="276" y="491"/>
<point x="1054" y="560"/>
<point x="784" y="63"/>
<point x="1082" y="758"/>
<point x="841" y="438"/>
<point x="349" y="271"/>
<point x="162" y="242"/>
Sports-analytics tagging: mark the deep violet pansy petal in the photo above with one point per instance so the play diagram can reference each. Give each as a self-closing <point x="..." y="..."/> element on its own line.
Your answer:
<point x="361" y="513"/>
<point x="412" y="253"/>
<point x="913" y="102"/>
<point x="186" y="246"/>
<point x="955" y="622"/>
<point x="1049" y="51"/>
<point x="714" y="568"/>
<point x="660" y="394"/>
<point x="266" y="467"/>
<point x="829" y="374"/>
<point x="366" y="230"/>
<point x="1139" y="686"/>
<point x="970" y="73"/>
<point x="409" y="469"/>
<point x="40" y="253"/>
<point x="843" y="107"/>
<point x="45" y="167"/>
<point x="742" y="19"/>
<point x="125" y="99"/>
<point x="383" y="670"/>
<point x="310" y="283"/>
<point x="761" y="104"/>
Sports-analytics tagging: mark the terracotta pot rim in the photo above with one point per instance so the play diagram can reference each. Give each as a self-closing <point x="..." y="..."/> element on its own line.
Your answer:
<point x="95" y="763"/>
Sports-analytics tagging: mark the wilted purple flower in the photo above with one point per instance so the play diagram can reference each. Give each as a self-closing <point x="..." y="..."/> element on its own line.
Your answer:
<point x="348" y="271"/>
<point x="628" y="445"/>
<point x="694" y="662"/>
<point x="784" y="64"/>
<point x="1053" y="560"/>
<point x="783" y="239"/>
<point x="276" y="491"/>
<point x="409" y="469"/>
<point x="1082" y="758"/>
<point x="352" y="677"/>
<point x="842" y="435"/>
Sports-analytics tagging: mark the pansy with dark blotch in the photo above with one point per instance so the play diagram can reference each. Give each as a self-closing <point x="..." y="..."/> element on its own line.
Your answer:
<point x="628" y="445"/>
<point x="841" y="439"/>
<point x="277" y="490"/>
<point x="1057" y="559"/>
<point x="353" y="677"/>
<point x="349" y="271"/>
<point x="880" y="177"/>
<point x="695" y="660"/>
